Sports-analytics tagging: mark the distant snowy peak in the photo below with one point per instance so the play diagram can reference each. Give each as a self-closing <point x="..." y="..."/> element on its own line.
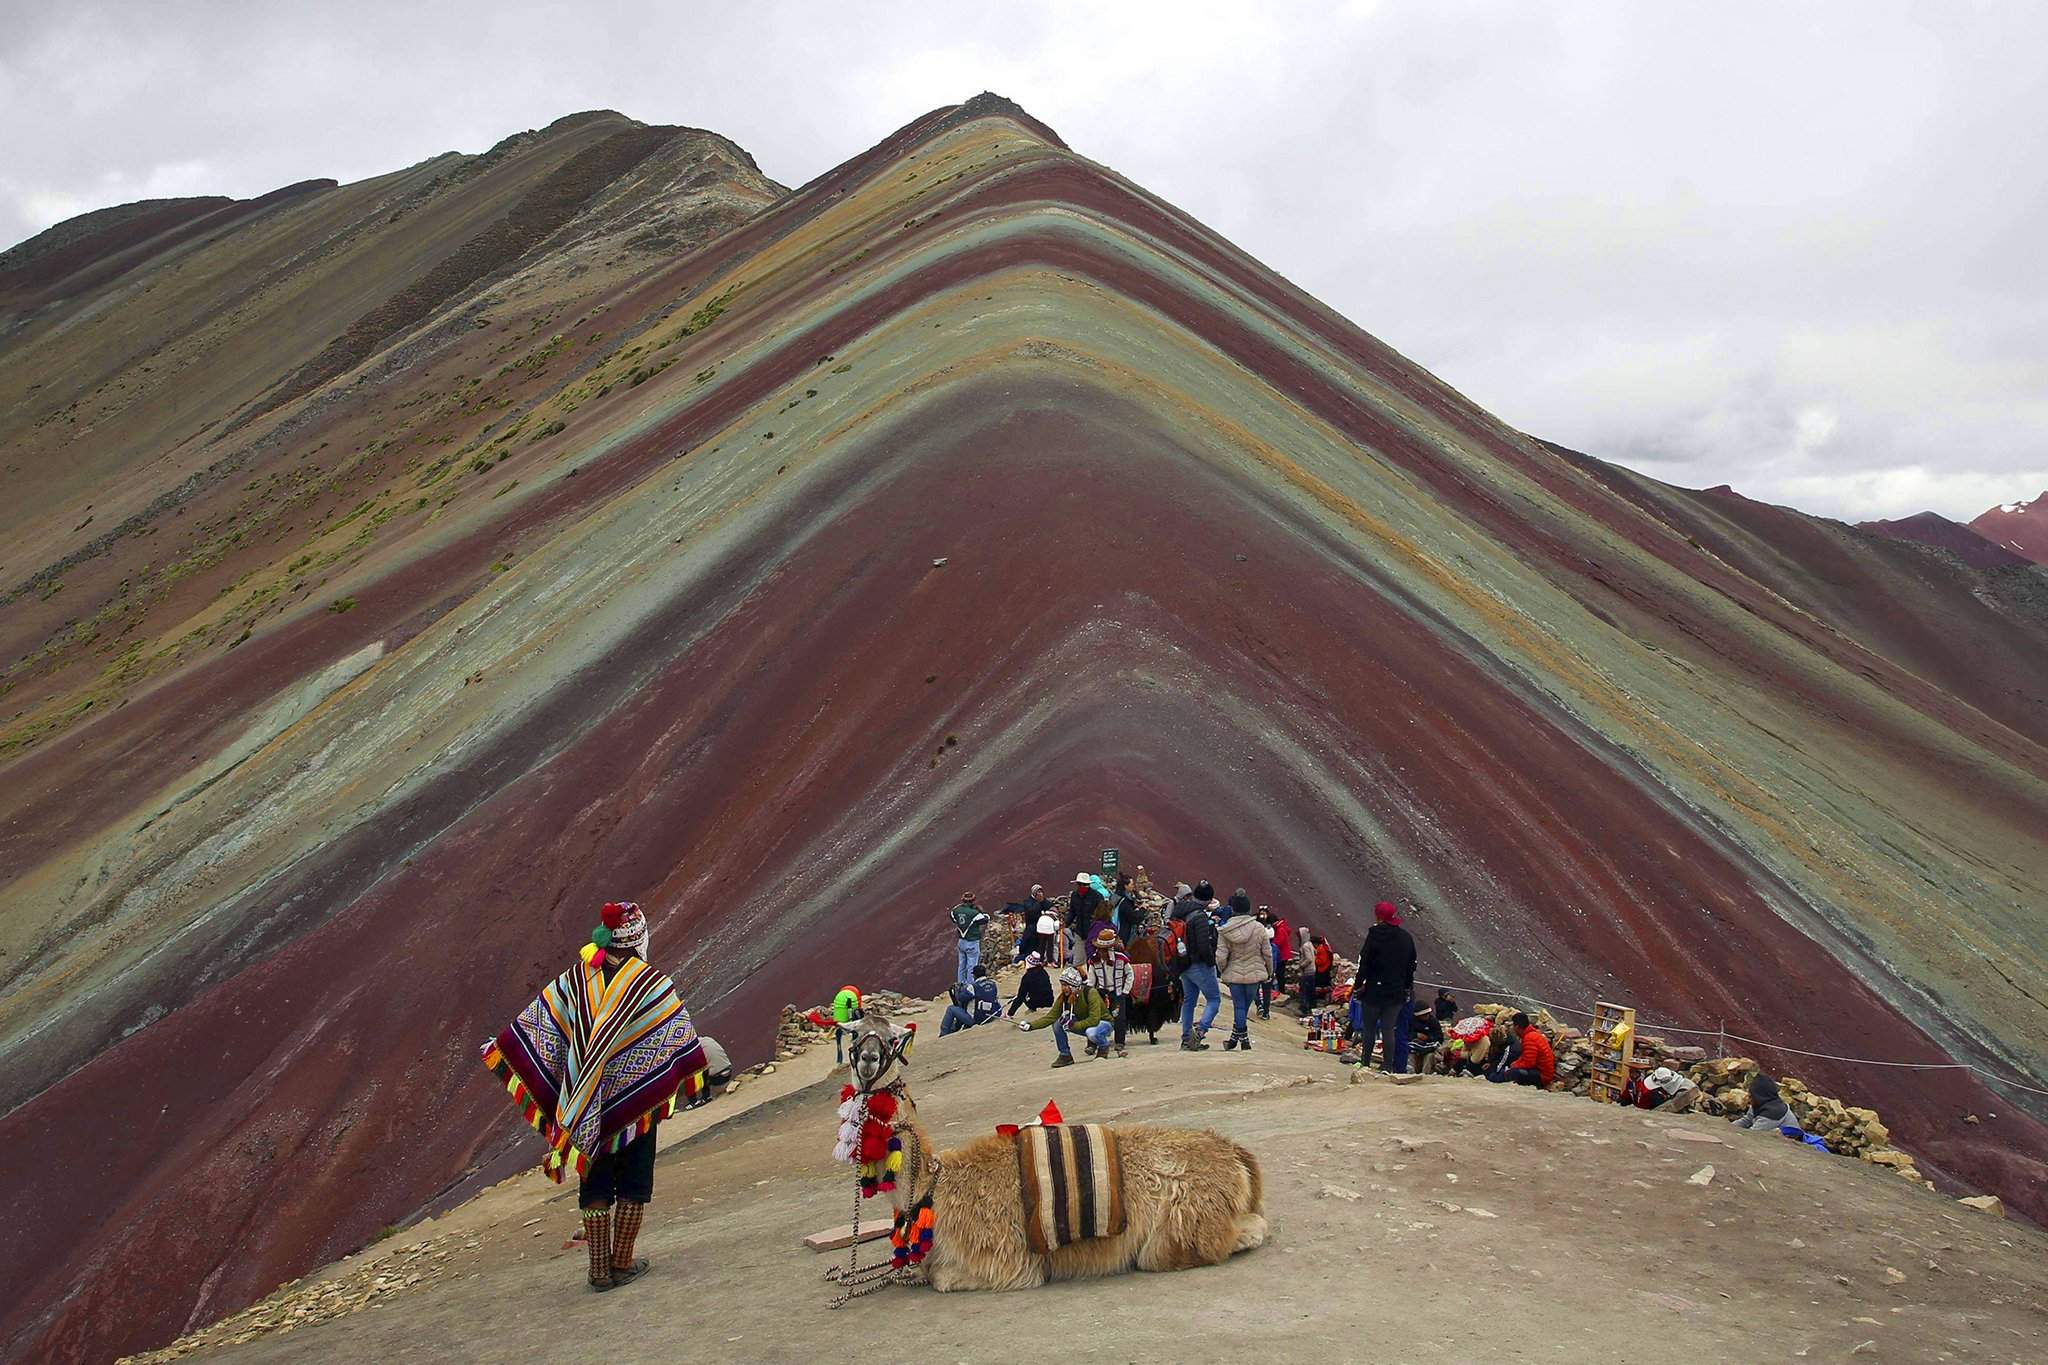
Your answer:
<point x="2021" y="527"/>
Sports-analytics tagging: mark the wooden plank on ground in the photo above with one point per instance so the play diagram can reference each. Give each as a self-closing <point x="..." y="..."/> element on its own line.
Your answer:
<point x="832" y="1239"/>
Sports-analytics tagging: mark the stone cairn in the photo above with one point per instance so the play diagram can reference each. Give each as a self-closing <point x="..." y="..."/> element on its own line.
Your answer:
<point x="1848" y="1130"/>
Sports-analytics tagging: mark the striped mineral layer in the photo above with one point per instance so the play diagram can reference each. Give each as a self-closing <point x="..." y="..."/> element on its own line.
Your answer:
<point x="415" y="614"/>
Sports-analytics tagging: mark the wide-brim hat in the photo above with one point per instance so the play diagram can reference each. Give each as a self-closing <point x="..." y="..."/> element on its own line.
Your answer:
<point x="1662" y="1077"/>
<point x="1080" y="879"/>
<point x="1105" y="938"/>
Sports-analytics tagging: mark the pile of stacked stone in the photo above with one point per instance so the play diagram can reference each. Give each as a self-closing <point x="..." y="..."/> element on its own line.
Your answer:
<point x="796" y="1034"/>
<point x="998" y="943"/>
<point x="1848" y="1130"/>
<point x="1724" y="1082"/>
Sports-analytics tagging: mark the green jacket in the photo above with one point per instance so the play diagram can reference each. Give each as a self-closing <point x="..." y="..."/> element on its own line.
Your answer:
<point x="970" y="920"/>
<point x="1089" y="1009"/>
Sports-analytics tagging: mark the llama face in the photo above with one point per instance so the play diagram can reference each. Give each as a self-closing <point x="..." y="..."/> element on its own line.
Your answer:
<point x="874" y="1054"/>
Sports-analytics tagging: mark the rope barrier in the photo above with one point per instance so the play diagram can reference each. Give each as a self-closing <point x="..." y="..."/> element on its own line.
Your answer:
<point x="1645" y="1027"/>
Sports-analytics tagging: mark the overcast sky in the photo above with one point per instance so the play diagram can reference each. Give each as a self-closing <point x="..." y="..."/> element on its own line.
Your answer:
<point x="1794" y="248"/>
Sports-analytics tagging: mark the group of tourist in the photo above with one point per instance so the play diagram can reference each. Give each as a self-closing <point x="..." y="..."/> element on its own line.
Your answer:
<point x="1122" y="969"/>
<point x="1099" y="964"/>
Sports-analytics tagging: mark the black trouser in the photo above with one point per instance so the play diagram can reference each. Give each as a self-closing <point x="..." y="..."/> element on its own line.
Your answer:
<point x="1383" y="1020"/>
<point x="626" y="1174"/>
<point x="1123" y="1018"/>
<point x="1312" y="986"/>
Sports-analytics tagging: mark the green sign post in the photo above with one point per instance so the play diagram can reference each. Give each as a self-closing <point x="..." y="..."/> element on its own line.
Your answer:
<point x="1109" y="860"/>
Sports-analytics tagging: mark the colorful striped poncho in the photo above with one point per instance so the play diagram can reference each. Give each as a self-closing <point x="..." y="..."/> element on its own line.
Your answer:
<point x="592" y="1064"/>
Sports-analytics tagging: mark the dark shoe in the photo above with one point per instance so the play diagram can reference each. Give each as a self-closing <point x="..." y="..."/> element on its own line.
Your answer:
<point x="1089" y="1049"/>
<point x="1190" y="1045"/>
<point x="1246" y="1043"/>
<point x="1230" y="1043"/>
<point x="602" y="1286"/>
<point x="627" y="1275"/>
<point x="1059" y="1062"/>
<point x="1121" y="1053"/>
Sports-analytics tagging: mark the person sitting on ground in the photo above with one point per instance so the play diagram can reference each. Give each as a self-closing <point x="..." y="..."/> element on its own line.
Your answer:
<point x="1768" y="1112"/>
<point x="956" y="1016"/>
<point x="717" y="1073"/>
<point x="1385" y="983"/>
<point x="1109" y="971"/>
<point x="1446" y="1008"/>
<point x="1080" y="1009"/>
<point x="1670" y="1091"/>
<point x="1533" y="1061"/>
<point x="1426" y="1042"/>
<point x="1244" y="962"/>
<point x="1468" y="1046"/>
<point x="987" y="1000"/>
<point x="1035" y="990"/>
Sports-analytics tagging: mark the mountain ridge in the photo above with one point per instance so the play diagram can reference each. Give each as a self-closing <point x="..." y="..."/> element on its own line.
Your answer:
<point x="617" y="578"/>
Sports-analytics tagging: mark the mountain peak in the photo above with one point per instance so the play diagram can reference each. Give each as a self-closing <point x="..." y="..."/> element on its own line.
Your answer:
<point x="2021" y="527"/>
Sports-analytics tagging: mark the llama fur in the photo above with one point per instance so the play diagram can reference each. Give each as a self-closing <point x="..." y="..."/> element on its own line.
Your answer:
<point x="1190" y="1199"/>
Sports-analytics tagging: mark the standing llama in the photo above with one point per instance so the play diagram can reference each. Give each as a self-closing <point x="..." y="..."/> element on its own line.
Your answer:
<point x="985" y="1215"/>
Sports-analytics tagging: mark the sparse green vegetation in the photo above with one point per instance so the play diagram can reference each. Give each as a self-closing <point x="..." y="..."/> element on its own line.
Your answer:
<point x="341" y="604"/>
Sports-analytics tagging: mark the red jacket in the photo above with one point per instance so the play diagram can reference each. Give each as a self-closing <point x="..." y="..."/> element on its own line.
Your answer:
<point x="1537" y="1055"/>
<point x="1283" y="939"/>
<point x="1324" y="958"/>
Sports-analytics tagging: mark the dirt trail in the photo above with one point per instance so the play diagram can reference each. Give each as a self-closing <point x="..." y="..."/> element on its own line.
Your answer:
<point x="1441" y="1220"/>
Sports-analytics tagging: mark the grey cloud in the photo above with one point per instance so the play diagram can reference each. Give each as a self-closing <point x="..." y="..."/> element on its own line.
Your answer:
<point x="1791" y="249"/>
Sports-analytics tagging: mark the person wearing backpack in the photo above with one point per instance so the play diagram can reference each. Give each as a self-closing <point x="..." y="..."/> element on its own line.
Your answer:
<point x="1197" y="953"/>
<point x="1080" y="1009"/>
<point x="969" y="921"/>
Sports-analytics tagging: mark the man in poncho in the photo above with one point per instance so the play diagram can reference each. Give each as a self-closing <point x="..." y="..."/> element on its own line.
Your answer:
<point x="594" y="1063"/>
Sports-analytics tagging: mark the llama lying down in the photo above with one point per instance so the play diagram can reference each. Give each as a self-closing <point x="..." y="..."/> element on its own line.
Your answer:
<point x="1063" y="1202"/>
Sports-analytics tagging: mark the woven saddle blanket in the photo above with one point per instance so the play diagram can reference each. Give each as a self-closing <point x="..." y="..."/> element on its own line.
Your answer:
<point x="1073" y="1183"/>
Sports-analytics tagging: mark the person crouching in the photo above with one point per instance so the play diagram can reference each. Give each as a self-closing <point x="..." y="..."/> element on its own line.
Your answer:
<point x="1081" y="1009"/>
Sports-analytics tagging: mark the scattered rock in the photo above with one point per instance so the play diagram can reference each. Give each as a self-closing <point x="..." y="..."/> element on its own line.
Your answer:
<point x="1337" y="1192"/>
<point x="1703" y="1176"/>
<point x="1989" y="1203"/>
